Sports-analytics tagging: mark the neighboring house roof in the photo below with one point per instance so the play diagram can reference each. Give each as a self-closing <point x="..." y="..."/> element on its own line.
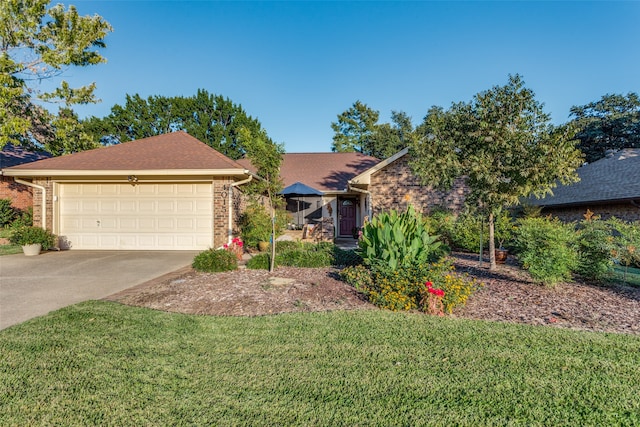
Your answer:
<point x="325" y="172"/>
<point x="176" y="153"/>
<point x="12" y="155"/>
<point x="614" y="178"/>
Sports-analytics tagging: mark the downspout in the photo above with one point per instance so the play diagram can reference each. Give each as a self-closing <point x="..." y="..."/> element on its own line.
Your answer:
<point x="234" y="184"/>
<point x="44" y="198"/>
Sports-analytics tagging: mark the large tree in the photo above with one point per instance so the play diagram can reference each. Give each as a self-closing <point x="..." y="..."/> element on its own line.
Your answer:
<point x="504" y="146"/>
<point x="213" y="119"/>
<point x="38" y="44"/>
<point x="389" y="138"/>
<point x="611" y="123"/>
<point x="354" y="128"/>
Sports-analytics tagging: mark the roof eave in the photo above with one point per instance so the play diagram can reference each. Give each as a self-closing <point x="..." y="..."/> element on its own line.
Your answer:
<point x="143" y="172"/>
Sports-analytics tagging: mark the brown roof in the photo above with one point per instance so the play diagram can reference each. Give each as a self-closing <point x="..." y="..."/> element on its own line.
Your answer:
<point x="176" y="150"/>
<point x="325" y="172"/>
<point x="12" y="155"/>
<point x="613" y="178"/>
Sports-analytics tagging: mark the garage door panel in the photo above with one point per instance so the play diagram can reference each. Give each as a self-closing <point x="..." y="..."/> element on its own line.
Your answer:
<point x="144" y="216"/>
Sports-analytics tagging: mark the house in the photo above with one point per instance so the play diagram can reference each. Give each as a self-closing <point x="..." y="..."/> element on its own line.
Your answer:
<point x="21" y="195"/>
<point x="607" y="187"/>
<point x="351" y="187"/>
<point x="166" y="192"/>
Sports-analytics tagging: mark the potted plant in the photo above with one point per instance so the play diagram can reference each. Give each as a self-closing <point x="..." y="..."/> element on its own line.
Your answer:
<point x="503" y="228"/>
<point x="32" y="239"/>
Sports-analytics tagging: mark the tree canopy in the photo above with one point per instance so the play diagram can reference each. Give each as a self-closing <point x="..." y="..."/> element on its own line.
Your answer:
<point x="213" y="119"/>
<point x="37" y="44"/>
<point x="611" y="123"/>
<point x="502" y="143"/>
<point x="357" y="130"/>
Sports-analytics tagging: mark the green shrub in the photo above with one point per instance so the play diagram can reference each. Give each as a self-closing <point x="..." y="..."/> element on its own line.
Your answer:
<point x="545" y="248"/>
<point x="345" y="258"/>
<point x="24" y="218"/>
<point x="404" y="289"/>
<point x="259" y="262"/>
<point x="288" y="245"/>
<point x="504" y="229"/>
<point x="465" y="232"/>
<point x="594" y="244"/>
<point x="215" y="260"/>
<point x="7" y="212"/>
<point x="398" y="239"/>
<point x="626" y="242"/>
<point x="255" y="225"/>
<point x="304" y="255"/>
<point x="32" y="235"/>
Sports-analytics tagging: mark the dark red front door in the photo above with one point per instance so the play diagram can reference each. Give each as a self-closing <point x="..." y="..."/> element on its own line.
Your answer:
<point x="347" y="216"/>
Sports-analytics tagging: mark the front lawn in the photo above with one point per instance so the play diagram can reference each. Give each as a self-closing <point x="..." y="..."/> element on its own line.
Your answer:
<point x="8" y="249"/>
<point x="101" y="363"/>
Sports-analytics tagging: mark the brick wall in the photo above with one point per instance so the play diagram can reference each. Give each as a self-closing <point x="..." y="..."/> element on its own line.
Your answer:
<point x="625" y="211"/>
<point x="395" y="187"/>
<point x="21" y="196"/>
<point x="37" y="202"/>
<point x="221" y="210"/>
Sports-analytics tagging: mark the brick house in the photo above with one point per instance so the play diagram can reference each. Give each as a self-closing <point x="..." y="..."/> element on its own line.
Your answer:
<point x="21" y="195"/>
<point x="607" y="187"/>
<point x="167" y="192"/>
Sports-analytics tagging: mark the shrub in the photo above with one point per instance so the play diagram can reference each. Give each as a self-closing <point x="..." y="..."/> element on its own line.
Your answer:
<point x="33" y="235"/>
<point x="465" y="233"/>
<point x="503" y="228"/>
<point x="259" y="262"/>
<point x="545" y="248"/>
<point x="23" y="219"/>
<point x="626" y="242"/>
<point x="359" y="277"/>
<point x="594" y="244"/>
<point x="345" y="258"/>
<point x="397" y="239"/>
<point x="255" y="225"/>
<point x="215" y="260"/>
<point x="7" y="212"/>
<point x="305" y="255"/>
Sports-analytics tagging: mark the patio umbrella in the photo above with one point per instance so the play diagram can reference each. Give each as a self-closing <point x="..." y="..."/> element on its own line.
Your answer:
<point x="300" y="189"/>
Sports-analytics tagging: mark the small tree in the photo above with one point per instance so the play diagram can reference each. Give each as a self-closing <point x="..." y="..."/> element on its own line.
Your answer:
<point x="266" y="156"/>
<point x="502" y="142"/>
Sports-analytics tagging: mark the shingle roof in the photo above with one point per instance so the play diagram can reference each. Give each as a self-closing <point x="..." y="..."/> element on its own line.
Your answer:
<point x="176" y="150"/>
<point x="613" y="178"/>
<point x="325" y="172"/>
<point x="12" y="155"/>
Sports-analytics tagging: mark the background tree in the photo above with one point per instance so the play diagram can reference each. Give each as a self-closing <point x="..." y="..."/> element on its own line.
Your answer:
<point x="611" y="123"/>
<point x="266" y="156"/>
<point x="213" y="119"/>
<point x="354" y="129"/>
<point x="502" y="142"/>
<point x="387" y="139"/>
<point x="37" y="44"/>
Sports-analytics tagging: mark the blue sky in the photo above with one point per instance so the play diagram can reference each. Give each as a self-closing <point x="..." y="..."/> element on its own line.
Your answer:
<point x="297" y="65"/>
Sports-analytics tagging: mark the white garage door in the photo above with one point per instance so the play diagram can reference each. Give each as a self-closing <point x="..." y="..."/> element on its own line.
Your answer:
<point x="144" y="216"/>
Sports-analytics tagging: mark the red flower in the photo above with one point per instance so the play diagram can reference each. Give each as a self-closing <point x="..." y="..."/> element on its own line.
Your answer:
<point x="429" y="284"/>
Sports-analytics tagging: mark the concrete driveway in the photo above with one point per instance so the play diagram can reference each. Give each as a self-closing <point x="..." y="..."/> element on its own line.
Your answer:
<point x="33" y="286"/>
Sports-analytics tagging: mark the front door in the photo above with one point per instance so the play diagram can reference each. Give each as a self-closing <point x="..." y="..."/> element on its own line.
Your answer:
<point x="347" y="216"/>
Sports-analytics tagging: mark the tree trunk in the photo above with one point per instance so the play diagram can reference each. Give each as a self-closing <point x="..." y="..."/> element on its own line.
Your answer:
<point x="272" y="264"/>
<point x="492" y="244"/>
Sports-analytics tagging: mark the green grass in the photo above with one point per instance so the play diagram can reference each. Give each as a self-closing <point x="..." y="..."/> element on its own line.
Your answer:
<point x="8" y="249"/>
<point x="100" y="363"/>
<point x="632" y="276"/>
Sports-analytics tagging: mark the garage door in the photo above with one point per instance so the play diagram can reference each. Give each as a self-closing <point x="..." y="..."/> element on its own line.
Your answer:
<point x="144" y="216"/>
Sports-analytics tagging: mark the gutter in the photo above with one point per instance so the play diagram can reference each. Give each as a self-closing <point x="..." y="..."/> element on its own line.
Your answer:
<point x="230" y="201"/>
<point x="44" y="198"/>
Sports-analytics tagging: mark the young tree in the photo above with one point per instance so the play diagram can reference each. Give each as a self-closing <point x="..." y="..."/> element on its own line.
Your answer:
<point x="37" y="44"/>
<point x="266" y="156"/>
<point x="354" y="128"/>
<point x="502" y="142"/>
<point x="611" y="123"/>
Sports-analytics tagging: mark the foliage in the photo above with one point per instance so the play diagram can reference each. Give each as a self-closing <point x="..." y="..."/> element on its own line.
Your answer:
<point x="611" y="123"/>
<point x="404" y="288"/>
<point x="32" y="235"/>
<point x="626" y="250"/>
<point x="24" y="218"/>
<point x="346" y="258"/>
<point x="354" y="128"/>
<point x="387" y="139"/>
<point x="255" y="224"/>
<point x="545" y="248"/>
<point x="7" y="212"/>
<point x="215" y="260"/>
<point x="504" y="145"/>
<point x="213" y="119"/>
<point x="504" y="228"/>
<point x="397" y="239"/>
<point x="594" y="244"/>
<point x="40" y="44"/>
<point x="465" y="233"/>
<point x="293" y="254"/>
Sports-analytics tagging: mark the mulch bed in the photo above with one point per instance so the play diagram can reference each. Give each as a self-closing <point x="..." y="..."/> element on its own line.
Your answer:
<point x="508" y="295"/>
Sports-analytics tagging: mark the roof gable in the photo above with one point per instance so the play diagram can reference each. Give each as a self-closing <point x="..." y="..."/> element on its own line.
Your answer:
<point x="613" y="178"/>
<point x="325" y="172"/>
<point x="177" y="151"/>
